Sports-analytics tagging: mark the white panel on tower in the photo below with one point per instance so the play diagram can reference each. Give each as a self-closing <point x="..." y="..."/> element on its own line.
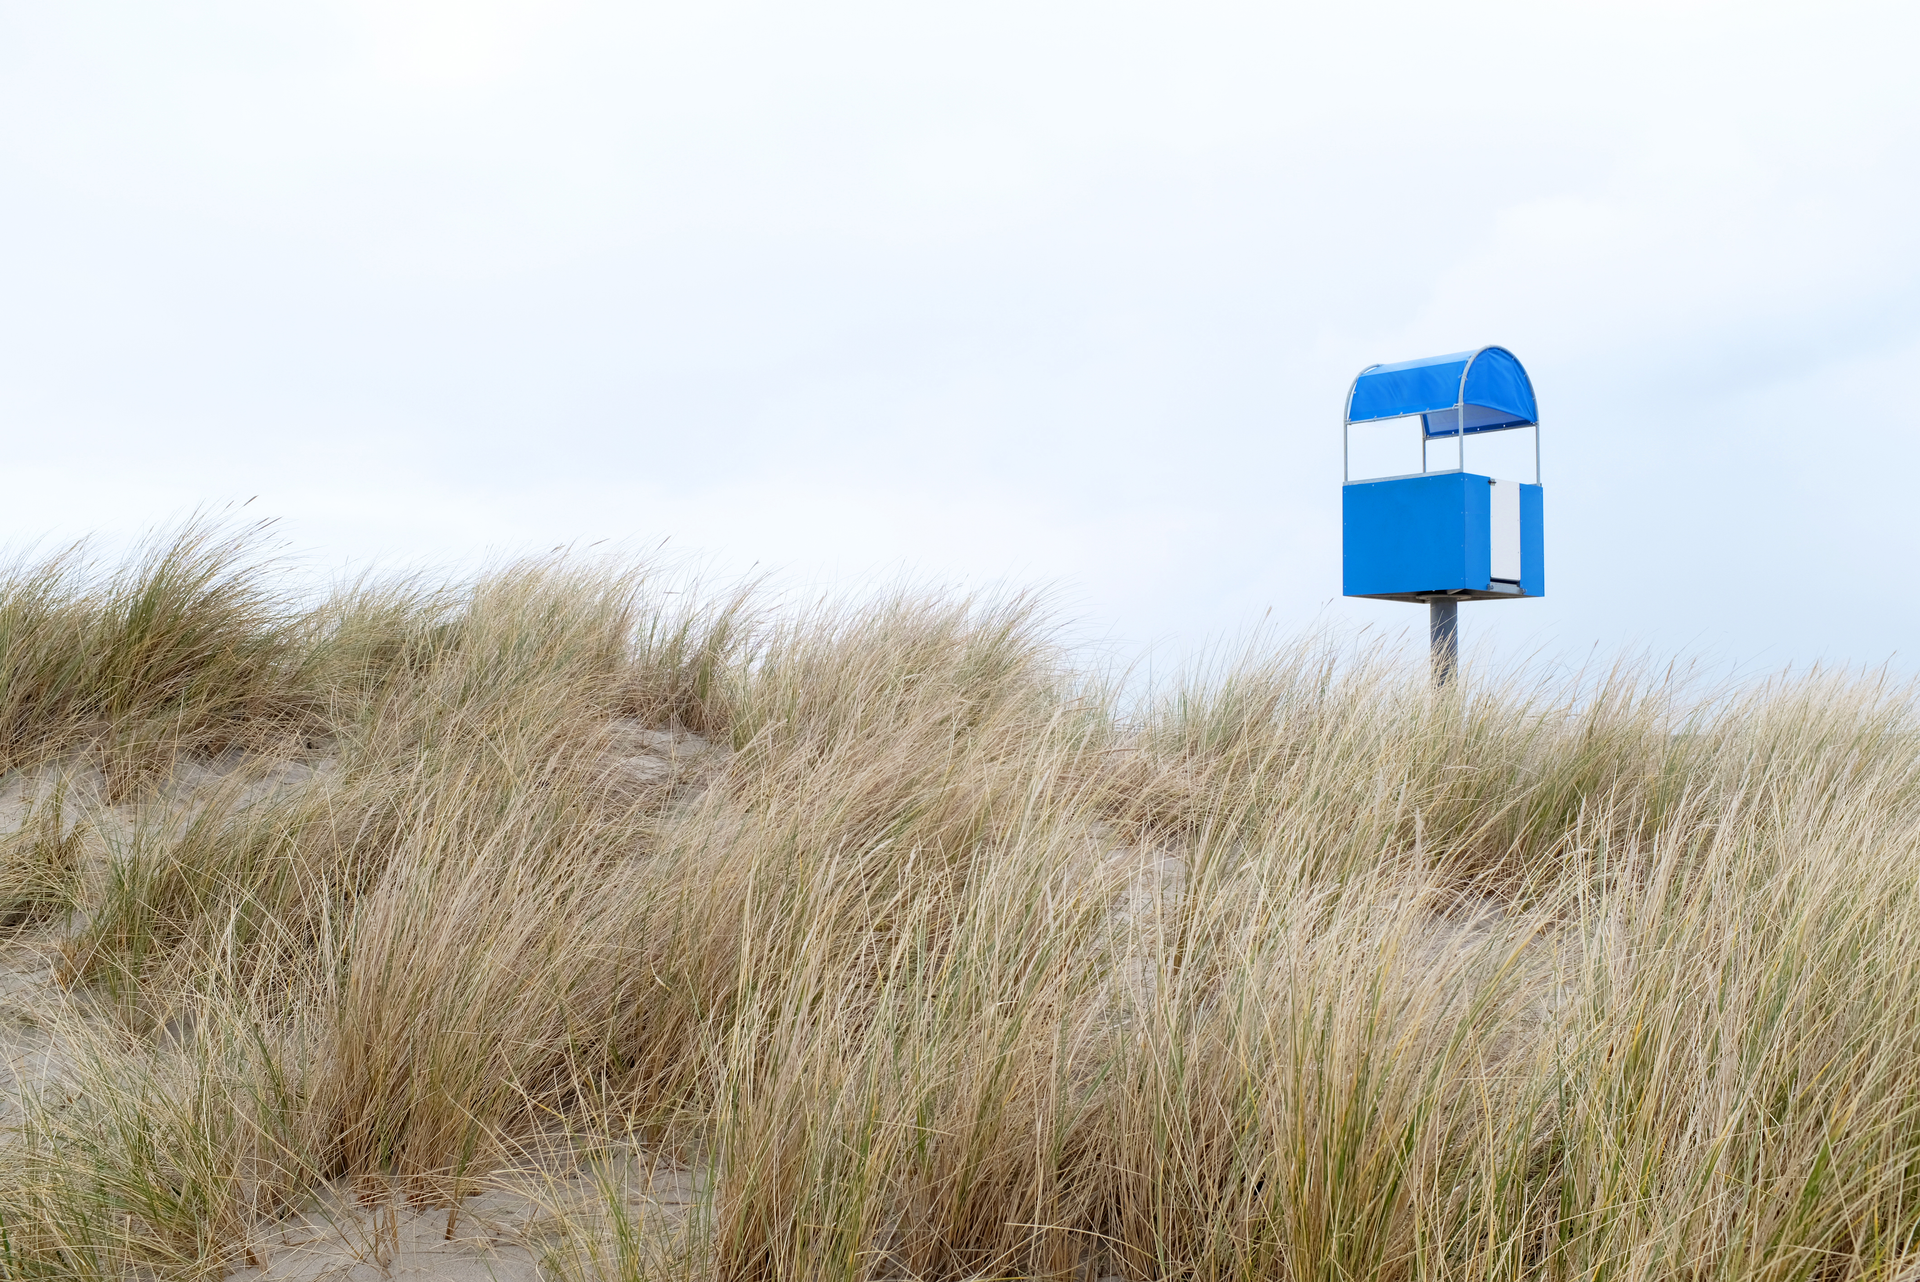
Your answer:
<point x="1505" y="506"/>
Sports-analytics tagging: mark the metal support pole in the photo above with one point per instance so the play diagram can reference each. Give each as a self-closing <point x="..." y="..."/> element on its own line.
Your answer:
<point x="1443" y="628"/>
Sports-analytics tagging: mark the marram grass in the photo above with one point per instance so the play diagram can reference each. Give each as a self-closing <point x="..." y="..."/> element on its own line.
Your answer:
<point x="948" y="962"/>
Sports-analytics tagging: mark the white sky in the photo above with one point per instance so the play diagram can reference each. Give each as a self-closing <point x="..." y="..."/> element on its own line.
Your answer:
<point x="1041" y="293"/>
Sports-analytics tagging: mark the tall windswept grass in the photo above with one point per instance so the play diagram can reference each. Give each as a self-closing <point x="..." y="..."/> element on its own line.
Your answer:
<point x="934" y="956"/>
<point x="185" y="648"/>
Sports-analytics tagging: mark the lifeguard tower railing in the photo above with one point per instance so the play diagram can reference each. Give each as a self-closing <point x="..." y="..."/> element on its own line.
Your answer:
<point x="1455" y="396"/>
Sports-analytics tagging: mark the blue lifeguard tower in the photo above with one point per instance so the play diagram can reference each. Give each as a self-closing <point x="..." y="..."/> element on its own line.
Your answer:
<point x="1443" y="535"/>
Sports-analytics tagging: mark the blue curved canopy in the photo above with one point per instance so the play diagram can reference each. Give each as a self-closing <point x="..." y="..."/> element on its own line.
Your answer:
<point x="1479" y="391"/>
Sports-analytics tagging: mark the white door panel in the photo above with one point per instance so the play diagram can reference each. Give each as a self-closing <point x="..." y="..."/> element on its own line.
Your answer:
<point x="1506" y="530"/>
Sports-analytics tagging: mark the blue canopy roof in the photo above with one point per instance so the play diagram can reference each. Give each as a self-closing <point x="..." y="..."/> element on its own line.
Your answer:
<point x="1479" y="391"/>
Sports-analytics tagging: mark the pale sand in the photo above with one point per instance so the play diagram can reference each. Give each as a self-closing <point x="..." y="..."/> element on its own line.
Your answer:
<point x="505" y="1231"/>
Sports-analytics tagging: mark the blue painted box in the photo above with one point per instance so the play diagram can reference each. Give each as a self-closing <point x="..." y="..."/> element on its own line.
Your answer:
<point x="1451" y="533"/>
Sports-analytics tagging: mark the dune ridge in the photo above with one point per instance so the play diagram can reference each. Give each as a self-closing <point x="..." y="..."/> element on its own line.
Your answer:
<point x="575" y="921"/>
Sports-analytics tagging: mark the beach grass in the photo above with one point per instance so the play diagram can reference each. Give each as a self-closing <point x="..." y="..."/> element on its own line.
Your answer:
<point x="935" y="951"/>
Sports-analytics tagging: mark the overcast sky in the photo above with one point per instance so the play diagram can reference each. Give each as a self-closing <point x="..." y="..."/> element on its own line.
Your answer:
<point x="1039" y="293"/>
